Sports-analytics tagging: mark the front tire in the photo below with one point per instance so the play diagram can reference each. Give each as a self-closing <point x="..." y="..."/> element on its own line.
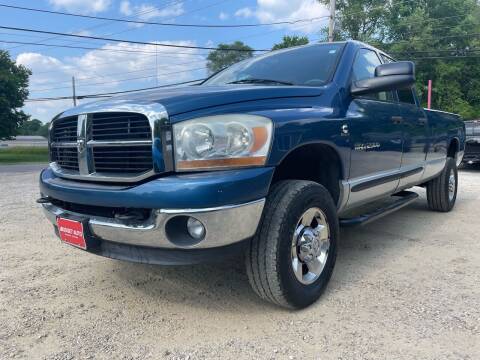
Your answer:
<point x="291" y="258"/>
<point x="442" y="191"/>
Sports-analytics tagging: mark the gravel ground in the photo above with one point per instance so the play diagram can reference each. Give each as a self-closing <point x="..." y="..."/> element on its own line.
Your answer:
<point x="405" y="287"/>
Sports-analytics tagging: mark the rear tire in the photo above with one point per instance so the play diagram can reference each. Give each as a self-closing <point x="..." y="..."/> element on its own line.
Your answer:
<point x="442" y="191"/>
<point x="289" y="263"/>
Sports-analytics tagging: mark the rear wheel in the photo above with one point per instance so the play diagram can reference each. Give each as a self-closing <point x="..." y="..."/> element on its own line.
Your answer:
<point x="290" y="260"/>
<point x="442" y="191"/>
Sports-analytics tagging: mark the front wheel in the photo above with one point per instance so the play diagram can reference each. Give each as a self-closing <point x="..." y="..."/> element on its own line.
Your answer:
<point x="442" y="191"/>
<point x="290" y="260"/>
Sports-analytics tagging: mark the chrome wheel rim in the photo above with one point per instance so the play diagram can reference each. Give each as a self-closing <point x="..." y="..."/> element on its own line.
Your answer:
<point x="310" y="246"/>
<point x="452" y="185"/>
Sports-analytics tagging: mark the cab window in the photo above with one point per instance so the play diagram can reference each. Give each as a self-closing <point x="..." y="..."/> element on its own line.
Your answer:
<point x="406" y="96"/>
<point x="364" y="68"/>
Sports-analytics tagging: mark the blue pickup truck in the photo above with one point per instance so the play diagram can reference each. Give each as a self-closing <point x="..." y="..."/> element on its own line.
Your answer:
<point x="268" y="157"/>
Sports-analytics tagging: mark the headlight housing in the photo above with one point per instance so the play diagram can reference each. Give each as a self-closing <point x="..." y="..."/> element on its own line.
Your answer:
<point x="222" y="141"/>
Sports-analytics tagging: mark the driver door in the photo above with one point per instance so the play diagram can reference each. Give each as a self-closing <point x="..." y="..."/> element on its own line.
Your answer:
<point x="376" y="137"/>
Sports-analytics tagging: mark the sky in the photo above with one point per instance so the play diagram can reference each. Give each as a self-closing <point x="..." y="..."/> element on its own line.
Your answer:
<point x="124" y="66"/>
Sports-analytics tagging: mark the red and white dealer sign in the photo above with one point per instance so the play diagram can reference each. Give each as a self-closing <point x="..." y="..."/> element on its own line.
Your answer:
<point x="71" y="232"/>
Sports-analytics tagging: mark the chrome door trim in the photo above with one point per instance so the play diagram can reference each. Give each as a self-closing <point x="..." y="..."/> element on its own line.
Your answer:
<point x="395" y="175"/>
<point x="372" y="187"/>
<point x="365" y="189"/>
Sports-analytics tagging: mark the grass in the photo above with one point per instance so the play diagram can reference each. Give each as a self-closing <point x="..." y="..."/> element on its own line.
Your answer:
<point x="13" y="155"/>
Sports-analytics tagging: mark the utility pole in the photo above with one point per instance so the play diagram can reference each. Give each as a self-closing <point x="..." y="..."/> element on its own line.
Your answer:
<point x="156" y="65"/>
<point x="331" y="27"/>
<point x="429" y="98"/>
<point x="73" y="89"/>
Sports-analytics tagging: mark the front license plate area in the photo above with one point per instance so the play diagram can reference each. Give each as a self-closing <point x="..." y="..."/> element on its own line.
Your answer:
<point x="72" y="232"/>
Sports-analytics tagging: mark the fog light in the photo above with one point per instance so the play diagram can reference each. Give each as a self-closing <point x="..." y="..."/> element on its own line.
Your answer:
<point x="195" y="229"/>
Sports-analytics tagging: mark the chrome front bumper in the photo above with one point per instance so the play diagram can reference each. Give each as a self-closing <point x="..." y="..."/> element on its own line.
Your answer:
<point x="224" y="225"/>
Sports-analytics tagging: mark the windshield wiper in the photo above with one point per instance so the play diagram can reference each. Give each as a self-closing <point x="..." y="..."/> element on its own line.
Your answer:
<point x="260" y="81"/>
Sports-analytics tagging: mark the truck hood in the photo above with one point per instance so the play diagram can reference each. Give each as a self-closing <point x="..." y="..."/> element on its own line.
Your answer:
<point x="185" y="99"/>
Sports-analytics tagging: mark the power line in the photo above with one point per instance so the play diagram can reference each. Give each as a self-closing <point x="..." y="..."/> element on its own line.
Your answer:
<point x="128" y="41"/>
<point x="458" y="51"/>
<point x="126" y="50"/>
<point x="445" y="57"/>
<point x="118" y="62"/>
<point x="92" y="48"/>
<point x="441" y="38"/>
<point x="121" y="80"/>
<point x="92" y="96"/>
<point x="292" y="22"/>
<point x="115" y="74"/>
<point x="103" y="76"/>
<point x="138" y="13"/>
<point x="132" y="50"/>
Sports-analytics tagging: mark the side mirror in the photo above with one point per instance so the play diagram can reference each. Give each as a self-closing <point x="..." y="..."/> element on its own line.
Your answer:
<point x="388" y="77"/>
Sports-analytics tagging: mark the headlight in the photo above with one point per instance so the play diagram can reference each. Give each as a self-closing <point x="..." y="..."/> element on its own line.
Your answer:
<point x="222" y="141"/>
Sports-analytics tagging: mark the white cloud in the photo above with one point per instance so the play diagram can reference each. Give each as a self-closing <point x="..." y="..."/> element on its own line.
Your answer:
<point x="146" y="12"/>
<point x="125" y="8"/>
<point x="52" y="76"/>
<point x="83" y="33"/>
<point x="223" y="16"/>
<point x="244" y="12"/>
<point x="288" y="10"/>
<point x="82" y="6"/>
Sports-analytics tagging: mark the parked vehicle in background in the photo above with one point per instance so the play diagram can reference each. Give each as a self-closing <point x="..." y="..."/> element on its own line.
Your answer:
<point x="472" y="147"/>
<point x="269" y="157"/>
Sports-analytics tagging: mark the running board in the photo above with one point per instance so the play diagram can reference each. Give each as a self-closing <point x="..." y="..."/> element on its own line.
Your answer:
<point x="404" y="198"/>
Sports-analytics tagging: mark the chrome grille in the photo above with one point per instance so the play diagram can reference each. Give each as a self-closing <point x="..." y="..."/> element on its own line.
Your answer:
<point x="123" y="159"/>
<point x="120" y="126"/>
<point x="64" y="130"/>
<point x="102" y="146"/>
<point x="64" y="137"/>
<point x="65" y="157"/>
<point x="132" y="152"/>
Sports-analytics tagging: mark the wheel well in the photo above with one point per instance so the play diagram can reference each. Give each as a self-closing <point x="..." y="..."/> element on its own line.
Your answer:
<point x="453" y="148"/>
<point x="314" y="162"/>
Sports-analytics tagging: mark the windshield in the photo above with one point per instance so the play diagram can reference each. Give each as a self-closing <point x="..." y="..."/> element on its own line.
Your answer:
<point x="308" y="65"/>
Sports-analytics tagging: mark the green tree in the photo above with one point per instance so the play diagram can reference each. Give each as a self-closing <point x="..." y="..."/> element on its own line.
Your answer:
<point x="43" y="131"/>
<point x="228" y="54"/>
<point x="362" y="20"/>
<point x="13" y="92"/>
<point x="290" y="41"/>
<point x="29" y="127"/>
<point x="433" y="34"/>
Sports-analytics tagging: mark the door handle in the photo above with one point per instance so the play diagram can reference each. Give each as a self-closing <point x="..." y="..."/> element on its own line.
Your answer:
<point x="422" y="121"/>
<point x="397" y="120"/>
